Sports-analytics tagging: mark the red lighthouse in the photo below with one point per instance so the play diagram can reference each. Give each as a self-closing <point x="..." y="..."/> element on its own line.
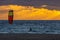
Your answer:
<point x="10" y="16"/>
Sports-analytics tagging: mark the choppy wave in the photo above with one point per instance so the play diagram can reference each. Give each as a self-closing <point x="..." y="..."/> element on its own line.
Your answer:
<point x="30" y="26"/>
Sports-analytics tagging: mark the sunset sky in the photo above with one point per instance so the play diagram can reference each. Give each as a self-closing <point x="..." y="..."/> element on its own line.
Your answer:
<point x="30" y="9"/>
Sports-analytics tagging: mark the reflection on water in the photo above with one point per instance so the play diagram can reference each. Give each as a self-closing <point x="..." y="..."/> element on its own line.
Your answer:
<point x="39" y="27"/>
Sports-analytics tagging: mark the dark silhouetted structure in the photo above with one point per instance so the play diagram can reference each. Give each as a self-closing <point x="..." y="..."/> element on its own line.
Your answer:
<point x="10" y="16"/>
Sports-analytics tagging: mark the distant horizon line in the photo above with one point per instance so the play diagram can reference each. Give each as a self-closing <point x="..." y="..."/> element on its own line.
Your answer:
<point x="36" y="20"/>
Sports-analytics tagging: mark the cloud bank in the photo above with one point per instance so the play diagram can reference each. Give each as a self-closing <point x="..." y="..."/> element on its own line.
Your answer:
<point x="29" y="13"/>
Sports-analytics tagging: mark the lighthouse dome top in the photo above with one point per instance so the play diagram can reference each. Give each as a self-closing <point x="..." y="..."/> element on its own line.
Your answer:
<point x="10" y="10"/>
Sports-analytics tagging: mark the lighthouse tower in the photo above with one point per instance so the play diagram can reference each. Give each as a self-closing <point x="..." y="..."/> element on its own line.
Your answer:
<point x="10" y="16"/>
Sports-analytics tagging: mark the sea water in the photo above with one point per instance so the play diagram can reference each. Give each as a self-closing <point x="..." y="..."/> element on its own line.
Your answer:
<point x="30" y="26"/>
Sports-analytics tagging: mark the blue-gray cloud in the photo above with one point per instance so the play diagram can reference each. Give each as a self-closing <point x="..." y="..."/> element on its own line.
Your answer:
<point x="35" y="3"/>
<point x="30" y="2"/>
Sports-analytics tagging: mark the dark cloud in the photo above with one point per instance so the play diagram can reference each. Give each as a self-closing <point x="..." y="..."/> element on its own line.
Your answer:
<point x="30" y="2"/>
<point x="35" y="3"/>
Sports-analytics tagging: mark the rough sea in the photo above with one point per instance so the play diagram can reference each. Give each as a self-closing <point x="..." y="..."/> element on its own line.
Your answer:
<point x="30" y="26"/>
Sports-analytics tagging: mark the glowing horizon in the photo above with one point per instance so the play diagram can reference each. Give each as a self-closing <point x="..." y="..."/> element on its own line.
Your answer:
<point x="29" y="13"/>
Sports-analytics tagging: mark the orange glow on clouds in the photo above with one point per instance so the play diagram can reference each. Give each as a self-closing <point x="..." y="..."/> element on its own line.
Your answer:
<point x="29" y="13"/>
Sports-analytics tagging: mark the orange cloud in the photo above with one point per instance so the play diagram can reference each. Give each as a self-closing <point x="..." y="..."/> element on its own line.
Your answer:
<point x="29" y="13"/>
